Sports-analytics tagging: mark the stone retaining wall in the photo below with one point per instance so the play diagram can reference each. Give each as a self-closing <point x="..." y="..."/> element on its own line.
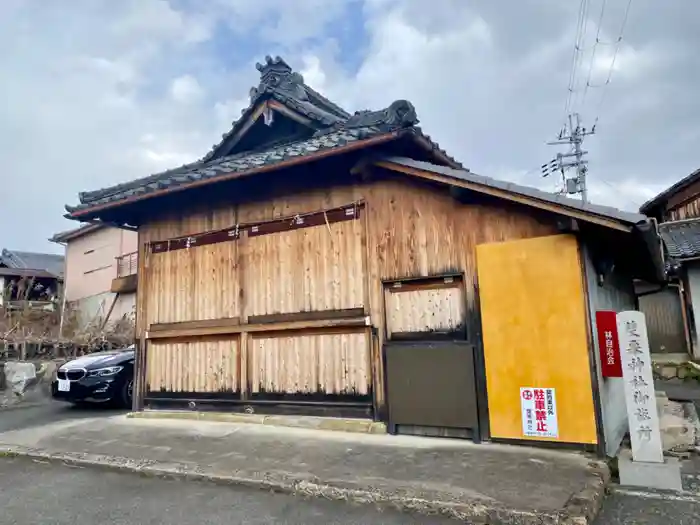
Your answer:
<point x="26" y="382"/>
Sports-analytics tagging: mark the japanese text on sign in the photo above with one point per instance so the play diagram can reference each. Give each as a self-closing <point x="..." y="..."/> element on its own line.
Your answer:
<point x="609" y="346"/>
<point x="639" y="387"/>
<point x="539" y="412"/>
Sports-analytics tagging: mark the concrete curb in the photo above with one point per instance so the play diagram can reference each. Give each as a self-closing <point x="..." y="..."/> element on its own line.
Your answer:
<point x="580" y="510"/>
<point x="583" y="507"/>
<point x="316" y="423"/>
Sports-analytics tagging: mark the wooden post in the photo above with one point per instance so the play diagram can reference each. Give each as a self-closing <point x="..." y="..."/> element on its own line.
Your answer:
<point x="23" y="347"/>
<point x="241" y="255"/>
<point x="109" y="312"/>
<point x="243" y="364"/>
<point x="139" y="390"/>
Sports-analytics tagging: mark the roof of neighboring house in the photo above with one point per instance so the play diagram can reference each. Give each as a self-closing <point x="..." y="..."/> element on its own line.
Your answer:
<point x="21" y="272"/>
<point x="480" y="181"/>
<point x="51" y="263"/>
<point x="669" y="192"/>
<point x="75" y="233"/>
<point x="681" y="238"/>
<point x="333" y="130"/>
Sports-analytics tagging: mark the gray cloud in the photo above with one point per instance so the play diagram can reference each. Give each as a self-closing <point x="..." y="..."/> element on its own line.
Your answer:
<point x="97" y="92"/>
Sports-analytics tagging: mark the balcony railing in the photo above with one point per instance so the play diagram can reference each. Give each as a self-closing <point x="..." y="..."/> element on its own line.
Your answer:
<point x="127" y="264"/>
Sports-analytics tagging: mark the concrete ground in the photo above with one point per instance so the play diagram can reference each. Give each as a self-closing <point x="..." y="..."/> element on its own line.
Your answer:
<point x="17" y="418"/>
<point x="480" y="482"/>
<point x="34" y="492"/>
<point x="96" y="496"/>
<point x="638" y="507"/>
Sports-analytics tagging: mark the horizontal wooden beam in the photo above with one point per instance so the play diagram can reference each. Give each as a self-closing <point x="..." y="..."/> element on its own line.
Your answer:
<point x="425" y="283"/>
<point x="258" y="327"/>
<point x="503" y="194"/>
<point x="347" y="313"/>
<point x="348" y="212"/>
<point x="187" y="325"/>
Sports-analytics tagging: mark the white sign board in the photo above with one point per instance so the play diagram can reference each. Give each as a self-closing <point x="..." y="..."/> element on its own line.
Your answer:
<point x="539" y="412"/>
<point x="640" y="397"/>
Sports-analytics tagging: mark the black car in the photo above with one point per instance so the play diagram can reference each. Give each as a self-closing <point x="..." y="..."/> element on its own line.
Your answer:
<point x="102" y="377"/>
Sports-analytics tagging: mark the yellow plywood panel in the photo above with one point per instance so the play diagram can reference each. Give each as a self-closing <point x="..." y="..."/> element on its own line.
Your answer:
<point x="535" y="333"/>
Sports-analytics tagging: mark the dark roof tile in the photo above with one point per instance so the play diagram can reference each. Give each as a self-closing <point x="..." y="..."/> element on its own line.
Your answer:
<point x="236" y="163"/>
<point x="33" y="261"/>
<point x="662" y="197"/>
<point x="681" y="238"/>
<point x="466" y="175"/>
<point x="334" y="128"/>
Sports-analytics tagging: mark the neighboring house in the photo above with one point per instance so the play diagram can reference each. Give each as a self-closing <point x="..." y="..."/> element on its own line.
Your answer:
<point x="333" y="263"/>
<point x="677" y="308"/>
<point x="29" y="279"/>
<point x="100" y="272"/>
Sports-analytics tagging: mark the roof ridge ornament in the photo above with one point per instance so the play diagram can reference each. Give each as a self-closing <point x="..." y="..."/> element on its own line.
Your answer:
<point x="400" y="114"/>
<point x="277" y="75"/>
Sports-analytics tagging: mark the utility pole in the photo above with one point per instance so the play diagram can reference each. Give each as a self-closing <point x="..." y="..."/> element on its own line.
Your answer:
<point x="572" y="136"/>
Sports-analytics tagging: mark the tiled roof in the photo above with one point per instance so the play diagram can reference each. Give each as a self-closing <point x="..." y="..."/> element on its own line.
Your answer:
<point x="648" y="206"/>
<point x="278" y="82"/>
<point x="681" y="238"/>
<point x="528" y="191"/>
<point x="74" y="233"/>
<point x="235" y="163"/>
<point x="33" y="261"/>
<point x="331" y="125"/>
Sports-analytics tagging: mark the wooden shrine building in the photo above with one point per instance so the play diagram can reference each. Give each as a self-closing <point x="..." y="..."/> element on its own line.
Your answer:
<point x="333" y="263"/>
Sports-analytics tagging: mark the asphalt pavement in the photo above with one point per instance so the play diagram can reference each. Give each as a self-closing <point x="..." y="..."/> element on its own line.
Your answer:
<point x="633" y="507"/>
<point x="35" y="492"/>
<point x="18" y="418"/>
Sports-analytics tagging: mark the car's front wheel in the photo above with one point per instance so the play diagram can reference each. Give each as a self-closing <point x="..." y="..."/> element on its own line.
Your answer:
<point x="128" y="392"/>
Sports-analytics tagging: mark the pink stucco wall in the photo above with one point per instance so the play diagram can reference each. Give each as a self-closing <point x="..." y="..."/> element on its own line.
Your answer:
<point x="91" y="262"/>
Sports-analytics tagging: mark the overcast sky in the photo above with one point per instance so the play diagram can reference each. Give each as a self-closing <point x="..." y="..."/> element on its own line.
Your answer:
<point x="96" y="92"/>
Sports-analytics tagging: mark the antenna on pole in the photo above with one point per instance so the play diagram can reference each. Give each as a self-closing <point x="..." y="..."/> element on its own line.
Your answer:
<point x="572" y="135"/>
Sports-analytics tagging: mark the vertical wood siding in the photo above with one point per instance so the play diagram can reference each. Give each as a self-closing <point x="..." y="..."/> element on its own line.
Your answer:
<point x="432" y="310"/>
<point x="417" y="231"/>
<point x="311" y="269"/>
<point x="194" y="284"/>
<point x="663" y="311"/>
<point x="687" y="210"/>
<point x="203" y="366"/>
<point x="306" y="364"/>
<point x="409" y="230"/>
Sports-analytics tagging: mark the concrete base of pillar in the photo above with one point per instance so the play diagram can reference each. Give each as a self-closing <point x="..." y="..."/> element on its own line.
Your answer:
<point x="662" y="476"/>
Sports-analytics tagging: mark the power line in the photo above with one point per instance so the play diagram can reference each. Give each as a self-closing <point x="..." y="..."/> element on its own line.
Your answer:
<point x="634" y="203"/>
<point x="578" y="46"/>
<point x="595" y="46"/>
<point x="612" y="62"/>
<point x="581" y="54"/>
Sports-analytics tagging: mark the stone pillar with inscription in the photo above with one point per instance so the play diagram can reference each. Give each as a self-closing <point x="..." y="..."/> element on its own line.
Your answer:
<point x="646" y="465"/>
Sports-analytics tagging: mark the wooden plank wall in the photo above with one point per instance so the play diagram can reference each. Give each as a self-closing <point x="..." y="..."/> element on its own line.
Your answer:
<point x="305" y="270"/>
<point x="310" y="269"/>
<point x="195" y="284"/>
<point x="415" y="231"/>
<point x="409" y="230"/>
<point x="689" y="209"/>
<point x="203" y="365"/>
<point x="307" y="364"/>
<point x="431" y="310"/>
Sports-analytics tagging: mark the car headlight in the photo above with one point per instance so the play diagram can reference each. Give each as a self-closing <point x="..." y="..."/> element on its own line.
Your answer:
<point x="104" y="372"/>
